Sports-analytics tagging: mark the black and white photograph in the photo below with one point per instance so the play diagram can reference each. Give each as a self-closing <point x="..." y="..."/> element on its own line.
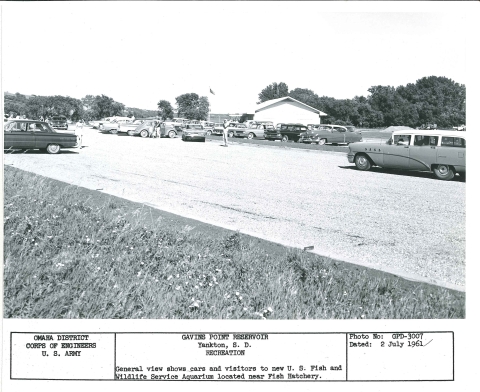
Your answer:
<point x="236" y="167"/>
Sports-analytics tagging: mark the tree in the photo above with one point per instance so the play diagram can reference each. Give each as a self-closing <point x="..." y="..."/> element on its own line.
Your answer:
<point x="273" y="91"/>
<point x="306" y="96"/>
<point x="192" y="106"/>
<point x="101" y="106"/>
<point x="165" y="109"/>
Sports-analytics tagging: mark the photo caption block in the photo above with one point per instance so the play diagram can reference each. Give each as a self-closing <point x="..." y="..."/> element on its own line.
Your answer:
<point x="400" y="356"/>
<point x="62" y="356"/>
<point x="231" y="357"/>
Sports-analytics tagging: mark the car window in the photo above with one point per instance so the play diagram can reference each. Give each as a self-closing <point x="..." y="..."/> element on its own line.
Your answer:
<point x="453" y="142"/>
<point x="16" y="127"/>
<point x="425" y="140"/>
<point x="401" y="139"/>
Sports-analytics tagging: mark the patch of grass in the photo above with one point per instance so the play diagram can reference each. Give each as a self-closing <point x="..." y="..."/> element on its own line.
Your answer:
<point x="66" y="256"/>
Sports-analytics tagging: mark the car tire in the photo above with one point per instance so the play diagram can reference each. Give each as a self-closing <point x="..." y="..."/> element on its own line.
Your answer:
<point x="130" y="133"/>
<point x="284" y="138"/>
<point x="144" y="133"/>
<point x="230" y="134"/>
<point x="443" y="172"/>
<point x="172" y="134"/>
<point x="53" y="148"/>
<point x="209" y="133"/>
<point x="362" y="162"/>
<point x="114" y="131"/>
<point x="250" y="135"/>
<point x="321" y="142"/>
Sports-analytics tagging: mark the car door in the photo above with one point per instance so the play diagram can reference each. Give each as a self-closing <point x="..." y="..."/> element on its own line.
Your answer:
<point x="338" y="135"/>
<point x="423" y="152"/>
<point x="45" y="136"/>
<point x="397" y="154"/>
<point x="19" y="135"/>
<point x="452" y="151"/>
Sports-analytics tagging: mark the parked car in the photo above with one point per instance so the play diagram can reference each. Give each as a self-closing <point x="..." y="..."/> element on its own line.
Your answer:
<point x="113" y="125"/>
<point x="217" y="129"/>
<point x="146" y="128"/>
<point x="59" y="122"/>
<point x="285" y="132"/>
<point x="193" y="132"/>
<point x="31" y="134"/>
<point x="240" y="130"/>
<point x="440" y="152"/>
<point x="207" y="126"/>
<point x="337" y="134"/>
<point x="131" y="126"/>
<point x="250" y="133"/>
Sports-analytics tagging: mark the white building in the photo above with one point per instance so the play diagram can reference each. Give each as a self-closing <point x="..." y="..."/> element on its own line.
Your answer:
<point x="287" y="110"/>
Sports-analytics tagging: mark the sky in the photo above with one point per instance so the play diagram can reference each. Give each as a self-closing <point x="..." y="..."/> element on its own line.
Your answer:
<point x="141" y="52"/>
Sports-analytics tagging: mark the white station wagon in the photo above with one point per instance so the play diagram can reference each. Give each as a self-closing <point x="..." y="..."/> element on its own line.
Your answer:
<point x="440" y="152"/>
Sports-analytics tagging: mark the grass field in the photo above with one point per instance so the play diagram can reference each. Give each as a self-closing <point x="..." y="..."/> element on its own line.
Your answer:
<point x="75" y="253"/>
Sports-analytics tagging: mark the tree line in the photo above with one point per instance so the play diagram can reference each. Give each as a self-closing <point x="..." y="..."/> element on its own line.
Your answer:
<point x="88" y="108"/>
<point x="430" y="100"/>
<point x="92" y="107"/>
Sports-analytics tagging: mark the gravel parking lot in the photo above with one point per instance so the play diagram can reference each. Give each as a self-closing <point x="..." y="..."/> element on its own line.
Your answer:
<point x="409" y="223"/>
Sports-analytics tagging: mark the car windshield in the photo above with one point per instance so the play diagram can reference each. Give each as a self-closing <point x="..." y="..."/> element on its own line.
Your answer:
<point x="350" y="128"/>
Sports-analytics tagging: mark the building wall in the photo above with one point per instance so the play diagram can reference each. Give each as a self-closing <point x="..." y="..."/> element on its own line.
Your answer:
<point x="287" y="112"/>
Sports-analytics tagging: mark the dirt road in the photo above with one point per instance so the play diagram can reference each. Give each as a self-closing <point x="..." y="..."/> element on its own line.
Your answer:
<point x="404" y="222"/>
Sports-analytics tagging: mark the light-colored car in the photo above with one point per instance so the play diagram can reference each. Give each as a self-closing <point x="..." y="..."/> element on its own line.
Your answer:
<point x="440" y="152"/>
<point x="217" y="129"/>
<point x="146" y="129"/>
<point x="333" y="134"/>
<point x="112" y="126"/>
<point x="249" y="133"/>
<point x="207" y="126"/>
<point x="131" y="126"/>
<point x="193" y="132"/>
<point x="240" y="130"/>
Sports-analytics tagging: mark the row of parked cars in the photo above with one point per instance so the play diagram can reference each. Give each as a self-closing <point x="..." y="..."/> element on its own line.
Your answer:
<point x="440" y="152"/>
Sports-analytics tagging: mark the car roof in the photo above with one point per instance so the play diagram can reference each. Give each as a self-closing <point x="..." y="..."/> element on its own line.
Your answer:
<point x="431" y="133"/>
<point x="26" y="120"/>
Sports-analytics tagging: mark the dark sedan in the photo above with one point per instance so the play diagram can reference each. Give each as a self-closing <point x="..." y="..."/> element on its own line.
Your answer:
<point x="31" y="134"/>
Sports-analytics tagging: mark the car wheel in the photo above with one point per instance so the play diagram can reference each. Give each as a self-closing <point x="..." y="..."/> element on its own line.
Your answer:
<point x="114" y="131"/>
<point x="144" y="133"/>
<point x="321" y="142"/>
<point x="443" y="172"/>
<point x="284" y="138"/>
<point x="362" y="162"/>
<point x="172" y="134"/>
<point x="130" y="133"/>
<point x="250" y="135"/>
<point x="230" y="134"/>
<point x="209" y="133"/>
<point x="53" y="148"/>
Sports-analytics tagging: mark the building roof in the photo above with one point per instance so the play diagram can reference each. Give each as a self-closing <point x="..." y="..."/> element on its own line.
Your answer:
<point x="266" y="104"/>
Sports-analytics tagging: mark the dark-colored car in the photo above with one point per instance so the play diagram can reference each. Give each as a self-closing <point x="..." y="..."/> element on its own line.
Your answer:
<point x="193" y="132"/>
<point x="337" y="134"/>
<point x="59" y="122"/>
<point x="286" y="132"/>
<point x="31" y="134"/>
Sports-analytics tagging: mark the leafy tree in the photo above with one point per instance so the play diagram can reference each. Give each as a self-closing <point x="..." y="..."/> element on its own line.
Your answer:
<point x="165" y="109"/>
<point x="273" y="91"/>
<point x="192" y="106"/>
<point x="306" y="96"/>
<point x="101" y="106"/>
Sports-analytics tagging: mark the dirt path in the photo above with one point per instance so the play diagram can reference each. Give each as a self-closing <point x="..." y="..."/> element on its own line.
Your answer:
<point x="393" y="221"/>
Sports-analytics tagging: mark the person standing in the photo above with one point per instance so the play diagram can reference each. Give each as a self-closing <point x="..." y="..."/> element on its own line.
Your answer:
<point x="225" y="132"/>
